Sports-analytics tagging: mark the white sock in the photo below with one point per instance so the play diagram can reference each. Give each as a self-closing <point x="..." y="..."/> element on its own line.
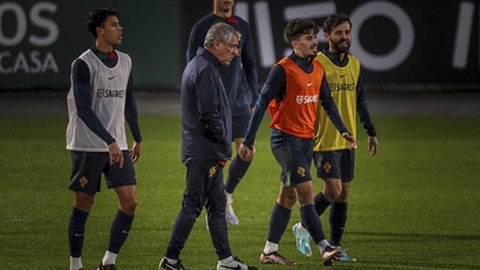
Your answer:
<point x="270" y="247"/>
<point x="227" y="260"/>
<point x="171" y="261"/>
<point x="75" y="263"/>
<point x="109" y="258"/>
<point x="229" y="197"/>
<point x="322" y="245"/>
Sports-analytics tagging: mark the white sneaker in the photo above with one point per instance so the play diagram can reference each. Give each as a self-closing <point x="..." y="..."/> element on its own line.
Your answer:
<point x="229" y="213"/>
<point x="164" y="264"/>
<point x="234" y="264"/>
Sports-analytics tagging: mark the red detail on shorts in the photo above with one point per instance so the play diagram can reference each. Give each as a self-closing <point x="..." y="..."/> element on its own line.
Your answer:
<point x="222" y="162"/>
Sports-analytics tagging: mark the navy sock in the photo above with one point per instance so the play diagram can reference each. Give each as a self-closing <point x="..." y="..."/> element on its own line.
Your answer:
<point x="338" y="218"/>
<point x="76" y="232"/>
<point x="236" y="172"/>
<point x="321" y="203"/>
<point x="119" y="231"/>
<point x="312" y="223"/>
<point x="278" y="223"/>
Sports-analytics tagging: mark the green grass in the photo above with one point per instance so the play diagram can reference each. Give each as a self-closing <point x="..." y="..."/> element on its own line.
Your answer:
<point x="415" y="205"/>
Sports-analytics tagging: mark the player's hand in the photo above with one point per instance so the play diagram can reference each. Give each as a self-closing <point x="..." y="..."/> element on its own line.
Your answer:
<point x="372" y="145"/>
<point x="135" y="151"/>
<point x="246" y="153"/>
<point x="116" y="155"/>
<point x="253" y="151"/>
<point x="351" y="139"/>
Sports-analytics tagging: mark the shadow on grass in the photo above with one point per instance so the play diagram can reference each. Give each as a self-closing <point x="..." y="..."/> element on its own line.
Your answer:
<point x="408" y="265"/>
<point x="420" y="261"/>
<point x="419" y="235"/>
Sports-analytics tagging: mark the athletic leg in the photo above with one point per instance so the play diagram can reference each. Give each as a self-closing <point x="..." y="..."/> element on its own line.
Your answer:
<point x="76" y="228"/>
<point x="122" y="223"/>
<point x="85" y="182"/>
<point x="278" y="224"/>
<point x="338" y="216"/>
<point x="237" y="170"/>
<point x="123" y="180"/>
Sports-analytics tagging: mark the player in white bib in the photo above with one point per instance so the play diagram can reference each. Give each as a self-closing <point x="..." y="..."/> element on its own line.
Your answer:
<point x="99" y="100"/>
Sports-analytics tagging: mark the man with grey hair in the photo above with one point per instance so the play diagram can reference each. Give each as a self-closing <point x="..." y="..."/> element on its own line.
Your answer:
<point x="241" y="84"/>
<point x="206" y="139"/>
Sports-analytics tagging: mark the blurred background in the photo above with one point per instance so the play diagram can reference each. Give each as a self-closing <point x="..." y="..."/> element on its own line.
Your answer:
<point x="403" y="45"/>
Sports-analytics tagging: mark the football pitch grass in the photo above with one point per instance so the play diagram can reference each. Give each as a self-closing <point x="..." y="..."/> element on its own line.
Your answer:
<point x="416" y="205"/>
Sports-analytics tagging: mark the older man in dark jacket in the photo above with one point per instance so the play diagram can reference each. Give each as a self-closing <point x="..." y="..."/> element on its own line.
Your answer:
<point x="206" y="146"/>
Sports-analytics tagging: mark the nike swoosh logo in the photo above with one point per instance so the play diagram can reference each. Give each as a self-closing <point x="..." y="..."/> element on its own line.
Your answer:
<point x="111" y="78"/>
<point x="79" y="234"/>
<point x="309" y="84"/>
<point x="343" y="75"/>
<point x="238" y="267"/>
<point x="125" y="232"/>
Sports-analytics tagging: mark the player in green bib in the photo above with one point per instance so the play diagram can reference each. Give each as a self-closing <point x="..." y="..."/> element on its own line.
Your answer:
<point x="333" y="160"/>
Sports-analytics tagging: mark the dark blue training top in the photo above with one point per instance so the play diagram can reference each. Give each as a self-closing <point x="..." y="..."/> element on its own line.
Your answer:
<point x="242" y="67"/>
<point x="83" y="99"/>
<point x="206" y="114"/>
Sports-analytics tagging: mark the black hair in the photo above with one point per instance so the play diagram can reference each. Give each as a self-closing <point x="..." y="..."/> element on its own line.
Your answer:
<point x="98" y="17"/>
<point x="297" y="27"/>
<point x="335" y="20"/>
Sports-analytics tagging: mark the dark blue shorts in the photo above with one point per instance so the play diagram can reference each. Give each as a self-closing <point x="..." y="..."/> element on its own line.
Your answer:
<point x="240" y="125"/>
<point x="87" y="169"/>
<point x="294" y="156"/>
<point x="335" y="164"/>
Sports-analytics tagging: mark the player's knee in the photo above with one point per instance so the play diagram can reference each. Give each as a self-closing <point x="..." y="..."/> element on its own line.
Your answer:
<point x="306" y="199"/>
<point x="342" y="197"/>
<point x="287" y="201"/>
<point x="336" y="193"/>
<point x="133" y="204"/>
<point x="129" y="206"/>
<point x="84" y="202"/>
<point x="332" y="192"/>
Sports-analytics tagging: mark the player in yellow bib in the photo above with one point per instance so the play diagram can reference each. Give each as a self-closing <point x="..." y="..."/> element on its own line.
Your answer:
<point x="333" y="160"/>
